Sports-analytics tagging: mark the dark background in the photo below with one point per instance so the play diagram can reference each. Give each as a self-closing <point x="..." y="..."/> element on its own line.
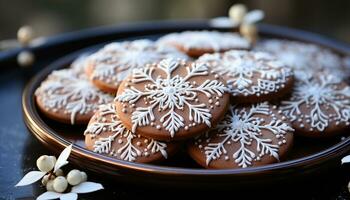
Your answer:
<point x="49" y="17"/>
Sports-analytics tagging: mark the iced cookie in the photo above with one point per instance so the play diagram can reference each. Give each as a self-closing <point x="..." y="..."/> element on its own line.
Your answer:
<point x="248" y="136"/>
<point x="69" y="97"/>
<point x="172" y="100"/>
<point x="319" y="106"/>
<point x="197" y="43"/>
<point x="79" y="64"/>
<point x="110" y="65"/>
<point x="251" y="76"/>
<point x="303" y="56"/>
<point x="106" y="134"/>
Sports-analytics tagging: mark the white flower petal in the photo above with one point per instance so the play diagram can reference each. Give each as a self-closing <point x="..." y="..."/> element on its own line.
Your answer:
<point x="69" y="196"/>
<point x="222" y="22"/>
<point x="62" y="159"/>
<point x="254" y="16"/>
<point x="87" y="187"/>
<point x="346" y="159"/>
<point x="30" y="178"/>
<point x="49" y="195"/>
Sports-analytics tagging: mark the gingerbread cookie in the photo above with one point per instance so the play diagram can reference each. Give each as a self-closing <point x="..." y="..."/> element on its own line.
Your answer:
<point x="69" y="97"/>
<point x="107" y="135"/>
<point x="110" y="65"/>
<point x="319" y="105"/>
<point x="251" y="76"/>
<point x="248" y="136"/>
<point x="303" y="56"/>
<point x="197" y="43"/>
<point x="172" y="100"/>
<point x="79" y="64"/>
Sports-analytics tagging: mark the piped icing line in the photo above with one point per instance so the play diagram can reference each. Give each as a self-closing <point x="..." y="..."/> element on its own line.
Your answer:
<point x="171" y="94"/>
<point x="71" y="91"/>
<point x="114" y="62"/>
<point x="244" y="126"/>
<point x="240" y="67"/>
<point x="108" y="120"/>
<point x="303" y="56"/>
<point x="326" y="100"/>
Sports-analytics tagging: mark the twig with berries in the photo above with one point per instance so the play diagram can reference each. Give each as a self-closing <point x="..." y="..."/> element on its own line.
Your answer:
<point x="241" y="18"/>
<point x="52" y="177"/>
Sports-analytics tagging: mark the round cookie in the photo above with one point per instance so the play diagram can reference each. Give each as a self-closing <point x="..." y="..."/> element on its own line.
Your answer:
<point x="251" y="76"/>
<point x="79" y="64"/>
<point x="108" y="67"/>
<point x="197" y="43"/>
<point x="248" y="136"/>
<point x="107" y="135"/>
<point x="68" y="96"/>
<point x="172" y="100"/>
<point x="319" y="105"/>
<point x="303" y="56"/>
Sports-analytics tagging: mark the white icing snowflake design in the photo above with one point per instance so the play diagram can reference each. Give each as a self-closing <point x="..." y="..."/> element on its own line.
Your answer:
<point x="114" y="62"/>
<point x="108" y="120"/>
<point x="243" y="126"/>
<point x="79" y="64"/>
<point x="70" y="91"/>
<point x="171" y="93"/>
<point x="324" y="99"/>
<point x="302" y="56"/>
<point x="240" y="68"/>
<point x="206" y="40"/>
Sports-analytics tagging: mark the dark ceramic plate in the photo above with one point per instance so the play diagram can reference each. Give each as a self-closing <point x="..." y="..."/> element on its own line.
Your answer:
<point x="307" y="157"/>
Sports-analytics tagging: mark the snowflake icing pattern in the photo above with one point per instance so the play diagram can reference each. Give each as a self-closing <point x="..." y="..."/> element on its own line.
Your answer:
<point x="128" y="151"/>
<point x="303" y="57"/>
<point x="241" y="66"/>
<point x="171" y="93"/>
<point x="115" y="60"/>
<point x="65" y="89"/>
<point x="325" y="100"/>
<point x="243" y="126"/>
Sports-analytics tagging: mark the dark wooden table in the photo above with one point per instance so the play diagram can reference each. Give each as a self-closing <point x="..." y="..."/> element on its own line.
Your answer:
<point x="19" y="149"/>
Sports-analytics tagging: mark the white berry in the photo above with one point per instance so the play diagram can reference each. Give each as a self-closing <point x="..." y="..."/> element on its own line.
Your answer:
<point x="74" y="177"/>
<point x="83" y="176"/>
<point x="25" y="58"/>
<point x="45" y="163"/>
<point x="46" y="179"/>
<point x="237" y="12"/>
<point x="59" y="172"/>
<point x="60" y="184"/>
<point x="25" y="34"/>
<point x="49" y="185"/>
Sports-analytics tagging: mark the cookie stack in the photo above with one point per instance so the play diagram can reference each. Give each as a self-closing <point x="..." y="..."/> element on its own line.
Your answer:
<point x="228" y="103"/>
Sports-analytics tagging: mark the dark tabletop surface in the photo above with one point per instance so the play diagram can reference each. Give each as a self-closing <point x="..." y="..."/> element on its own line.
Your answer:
<point x="19" y="151"/>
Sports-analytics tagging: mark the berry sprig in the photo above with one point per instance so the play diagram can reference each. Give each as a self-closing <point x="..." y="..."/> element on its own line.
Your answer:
<point x="58" y="185"/>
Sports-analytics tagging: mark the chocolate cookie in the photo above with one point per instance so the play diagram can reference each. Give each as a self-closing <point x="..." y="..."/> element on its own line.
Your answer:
<point x="110" y="65"/>
<point x="68" y="96"/>
<point x="172" y="100"/>
<point x="197" y="43"/>
<point x="251" y="76"/>
<point x="303" y="56"/>
<point x="107" y="135"/>
<point x="248" y="136"/>
<point x="319" y="106"/>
